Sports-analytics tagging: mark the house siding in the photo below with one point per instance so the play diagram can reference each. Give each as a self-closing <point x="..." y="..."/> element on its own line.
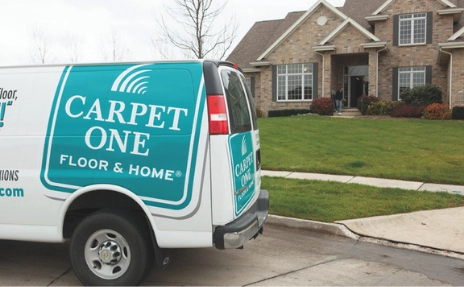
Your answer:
<point x="458" y="78"/>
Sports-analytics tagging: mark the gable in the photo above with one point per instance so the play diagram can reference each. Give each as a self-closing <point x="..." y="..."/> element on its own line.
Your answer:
<point x="355" y="27"/>
<point x="387" y="3"/>
<point x="308" y="16"/>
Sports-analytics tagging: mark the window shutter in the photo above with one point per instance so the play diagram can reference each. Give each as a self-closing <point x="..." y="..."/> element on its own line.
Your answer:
<point x="396" y="29"/>
<point x="395" y="84"/>
<point x="252" y="84"/>
<point x="429" y="28"/>
<point x="428" y="75"/>
<point x="316" y="80"/>
<point x="274" y="83"/>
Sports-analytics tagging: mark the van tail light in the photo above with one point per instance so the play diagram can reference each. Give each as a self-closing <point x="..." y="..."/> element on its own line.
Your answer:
<point x="218" y="123"/>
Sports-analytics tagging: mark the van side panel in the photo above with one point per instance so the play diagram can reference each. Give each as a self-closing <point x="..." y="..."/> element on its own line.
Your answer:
<point x="141" y="127"/>
<point x="133" y="126"/>
<point x="24" y="211"/>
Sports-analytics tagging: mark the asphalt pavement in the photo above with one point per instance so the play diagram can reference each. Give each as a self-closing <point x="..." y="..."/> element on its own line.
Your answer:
<point x="435" y="231"/>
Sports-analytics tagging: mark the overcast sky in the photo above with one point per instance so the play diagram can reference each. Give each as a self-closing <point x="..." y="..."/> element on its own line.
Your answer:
<point x="88" y="25"/>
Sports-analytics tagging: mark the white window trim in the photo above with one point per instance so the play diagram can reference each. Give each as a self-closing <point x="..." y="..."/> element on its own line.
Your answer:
<point x="411" y="72"/>
<point x="412" y="43"/>
<point x="286" y="75"/>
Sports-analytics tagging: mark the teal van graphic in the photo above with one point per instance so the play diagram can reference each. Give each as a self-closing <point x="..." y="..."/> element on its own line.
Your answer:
<point x="129" y="126"/>
<point x="243" y="169"/>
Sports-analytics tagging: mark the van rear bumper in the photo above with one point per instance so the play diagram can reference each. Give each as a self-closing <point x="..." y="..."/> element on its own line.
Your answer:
<point x="247" y="226"/>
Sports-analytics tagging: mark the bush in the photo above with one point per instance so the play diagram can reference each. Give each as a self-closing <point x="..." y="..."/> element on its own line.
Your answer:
<point x="259" y="113"/>
<point x="322" y="106"/>
<point x="382" y="108"/>
<point x="422" y="96"/>
<point x="364" y="102"/>
<point x="437" y="112"/>
<point x="458" y="113"/>
<point x="408" y="111"/>
<point x="287" y="113"/>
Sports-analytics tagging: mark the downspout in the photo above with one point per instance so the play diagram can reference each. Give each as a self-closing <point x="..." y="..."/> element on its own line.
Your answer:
<point x="450" y="77"/>
<point x="377" y="72"/>
<point x="323" y="71"/>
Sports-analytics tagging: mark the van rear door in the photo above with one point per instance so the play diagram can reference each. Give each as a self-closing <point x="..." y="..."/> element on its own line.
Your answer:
<point x="235" y="148"/>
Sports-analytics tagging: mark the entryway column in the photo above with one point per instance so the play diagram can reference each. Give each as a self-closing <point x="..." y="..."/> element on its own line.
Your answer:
<point x="373" y="73"/>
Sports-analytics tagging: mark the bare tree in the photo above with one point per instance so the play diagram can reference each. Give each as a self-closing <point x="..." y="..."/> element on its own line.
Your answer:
<point x="40" y="48"/>
<point x="72" y="47"/>
<point x="196" y="26"/>
<point x="114" y="49"/>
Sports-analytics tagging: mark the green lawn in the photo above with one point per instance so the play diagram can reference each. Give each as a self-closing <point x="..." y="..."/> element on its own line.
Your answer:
<point x="418" y="150"/>
<point x="332" y="201"/>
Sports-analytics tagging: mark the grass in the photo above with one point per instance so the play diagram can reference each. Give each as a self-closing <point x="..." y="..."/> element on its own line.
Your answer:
<point x="332" y="201"/>
<point x="418" y="150"/>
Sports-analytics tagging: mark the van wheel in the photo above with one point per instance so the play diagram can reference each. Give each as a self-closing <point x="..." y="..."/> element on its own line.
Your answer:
<point x="111" y="248"/>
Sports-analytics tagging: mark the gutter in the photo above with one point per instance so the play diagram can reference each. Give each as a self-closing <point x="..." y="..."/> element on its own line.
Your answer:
<point x="450" y="77"/>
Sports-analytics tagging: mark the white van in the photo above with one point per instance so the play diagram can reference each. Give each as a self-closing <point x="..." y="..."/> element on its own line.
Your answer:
<point x="129" y="160"/>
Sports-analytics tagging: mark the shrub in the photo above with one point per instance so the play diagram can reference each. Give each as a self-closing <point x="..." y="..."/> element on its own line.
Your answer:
<point x="422" y="95"/>
<point x="259" y="113"/>
<point x="382" y="108"/>
<point x="437" y="112"/>
<point x="364" y="102"/>
<point x="408" y="111"/>
<point x="287" y="113"/>
<point x="322" y="106"/>
<point x="458" y="113"/>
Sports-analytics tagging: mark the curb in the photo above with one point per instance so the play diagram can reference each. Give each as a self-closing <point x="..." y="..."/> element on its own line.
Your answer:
<point x="340" y="230"/>
<point x="315" y="226"/>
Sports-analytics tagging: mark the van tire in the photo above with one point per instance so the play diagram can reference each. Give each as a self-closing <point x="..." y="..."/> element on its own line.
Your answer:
<point x="111" y="248"/>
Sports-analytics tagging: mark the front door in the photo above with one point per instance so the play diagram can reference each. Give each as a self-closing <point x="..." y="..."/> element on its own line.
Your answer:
<point x="356" y="90"/>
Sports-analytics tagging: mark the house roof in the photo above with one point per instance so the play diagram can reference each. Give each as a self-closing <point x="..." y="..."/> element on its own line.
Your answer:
<point x="359" y="9"/>
<point x="259" y="38"/>
<point x="265" y="36"/>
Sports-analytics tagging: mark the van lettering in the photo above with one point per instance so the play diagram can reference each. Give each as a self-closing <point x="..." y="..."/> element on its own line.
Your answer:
<point x="146" y="171"/>
<point x="175" y="122"/>
<point x="137" y="141"/>
<point x="7" y="94"/>
<point x="9" y="175"/>
<point x="83" y="162"/>
<point x="76" y="105"/>
<point x="243" y="165"/>
<point x="136" y="113"/>
<point x="117" y="112"/>
<point x="11" y="192"/>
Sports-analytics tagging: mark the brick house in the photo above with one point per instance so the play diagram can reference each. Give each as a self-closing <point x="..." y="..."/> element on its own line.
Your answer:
<point x="375" y="47"/>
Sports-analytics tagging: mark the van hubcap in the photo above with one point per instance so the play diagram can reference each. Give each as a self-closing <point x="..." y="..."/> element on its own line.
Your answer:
<point x="107" y="254"/>
<point x="110" y="252"/>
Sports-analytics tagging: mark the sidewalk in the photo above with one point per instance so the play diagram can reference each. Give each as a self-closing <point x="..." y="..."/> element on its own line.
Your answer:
<point x="432" y="231"/>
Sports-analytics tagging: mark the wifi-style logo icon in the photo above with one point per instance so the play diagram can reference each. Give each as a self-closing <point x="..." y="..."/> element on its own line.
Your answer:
<point x="133" y="80"/>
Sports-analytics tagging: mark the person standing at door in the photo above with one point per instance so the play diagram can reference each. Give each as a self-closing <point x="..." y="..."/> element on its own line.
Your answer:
<point x="339" y="100"/>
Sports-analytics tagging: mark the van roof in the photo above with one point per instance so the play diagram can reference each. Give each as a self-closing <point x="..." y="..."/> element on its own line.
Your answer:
<point x="217" y="62"/>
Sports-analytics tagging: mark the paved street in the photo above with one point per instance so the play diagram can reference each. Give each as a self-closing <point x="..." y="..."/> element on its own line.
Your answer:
<point x="281" y="256"/>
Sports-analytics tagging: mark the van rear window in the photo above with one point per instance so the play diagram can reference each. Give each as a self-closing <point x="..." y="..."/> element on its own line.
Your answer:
<point x="237" y="102"/>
